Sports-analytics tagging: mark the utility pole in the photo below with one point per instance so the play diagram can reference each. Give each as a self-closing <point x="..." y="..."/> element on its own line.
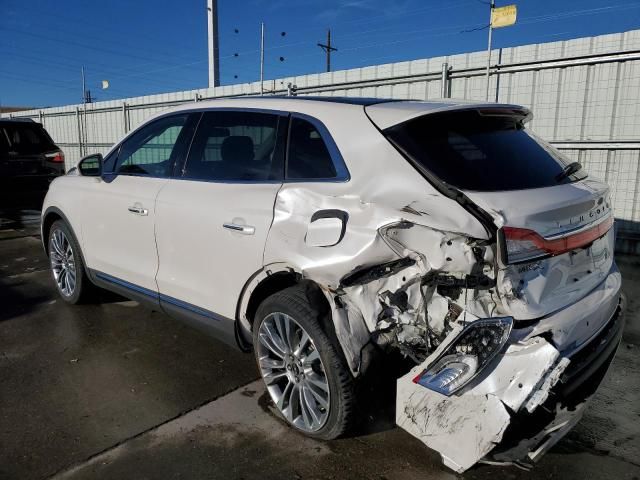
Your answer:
<point x="86" y="93"/>
<point x="328" y="49"/>
<point x="214" y="51"/>
<point x="492" y="5"/>
<point x="84" y="87"/>
<point x="83" y="125"/>
<point x="261" y="58"/>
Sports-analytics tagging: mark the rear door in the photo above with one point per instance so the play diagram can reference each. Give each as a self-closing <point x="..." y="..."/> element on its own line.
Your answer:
<point x="555" y="239"/>
<point x="119" y="209"/>
<point x="212" y="223"/>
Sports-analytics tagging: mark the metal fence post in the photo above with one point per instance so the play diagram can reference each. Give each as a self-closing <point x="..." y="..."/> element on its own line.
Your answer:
<point x="125" y="118"/>
<point x="41" y="117"/>
<point x="444" y="79"/>
<point x="80" y="147"/>
<point x="498" y="65"/>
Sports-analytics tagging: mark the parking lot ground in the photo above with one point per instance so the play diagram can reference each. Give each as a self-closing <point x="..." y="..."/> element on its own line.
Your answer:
<point x="75" y="380"/>
<point x="113" y="390"/>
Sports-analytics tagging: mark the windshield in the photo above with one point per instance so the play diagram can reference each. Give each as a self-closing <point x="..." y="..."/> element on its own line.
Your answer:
<point x="472" y="151"/>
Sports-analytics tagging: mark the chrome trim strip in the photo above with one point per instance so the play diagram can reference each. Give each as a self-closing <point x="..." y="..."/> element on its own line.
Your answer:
<point x="342" y="171"/>
<point x="108" y="278"/>
<point x="190" y="307"/>
<point x="158" y="296"/>
<point x="578" y="229"/>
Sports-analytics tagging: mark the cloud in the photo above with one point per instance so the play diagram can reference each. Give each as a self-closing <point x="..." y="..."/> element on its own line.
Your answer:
<point x="335" y="10"/>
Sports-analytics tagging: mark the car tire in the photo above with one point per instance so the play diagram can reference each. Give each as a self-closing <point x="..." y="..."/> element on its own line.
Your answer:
<point x="303" y="368"/>
<point x="67" y="266"/>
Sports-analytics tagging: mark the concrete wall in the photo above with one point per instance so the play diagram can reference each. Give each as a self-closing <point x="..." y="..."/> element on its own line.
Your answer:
<point x="585" y="94"/>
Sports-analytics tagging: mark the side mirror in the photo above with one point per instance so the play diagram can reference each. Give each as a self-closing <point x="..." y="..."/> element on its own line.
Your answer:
<point x="91" y="165"/>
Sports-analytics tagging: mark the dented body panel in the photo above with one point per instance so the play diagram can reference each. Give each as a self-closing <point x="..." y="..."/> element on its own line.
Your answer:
<point x="537" y="288"/>
<point x="519" y="382"/>
<point x="406" y="264"/>
<point x="400" y="197"/>
<point x="465" y="428"/>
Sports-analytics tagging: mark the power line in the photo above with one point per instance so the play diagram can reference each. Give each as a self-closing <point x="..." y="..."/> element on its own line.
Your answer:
<point x="73" y="67"/>
<point x="385" y="17"/>
<point x="356" y="33"/>
<point x="457" y="28"/>
<point x="108" y="26"/>
<point x="93" y="48"/>
<point x="406" y="37"/>
<point x="193" y="63"/>
<point x="577" y="13"/>
<point x="446" y="31"/>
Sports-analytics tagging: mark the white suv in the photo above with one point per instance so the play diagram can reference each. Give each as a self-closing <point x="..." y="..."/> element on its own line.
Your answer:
<point x="324" y="232"/>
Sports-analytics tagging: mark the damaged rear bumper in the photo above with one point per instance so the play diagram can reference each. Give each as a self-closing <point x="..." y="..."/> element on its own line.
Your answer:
<point x="526" y="400"/>
<point x="530" y="435"/>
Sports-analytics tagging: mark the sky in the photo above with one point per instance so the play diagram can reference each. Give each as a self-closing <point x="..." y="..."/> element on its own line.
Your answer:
<point x="143" y="47"/>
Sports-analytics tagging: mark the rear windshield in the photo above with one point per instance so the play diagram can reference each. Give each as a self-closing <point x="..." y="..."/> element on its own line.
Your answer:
<point x="26" y="138"/>
<point x="472" y="151"/>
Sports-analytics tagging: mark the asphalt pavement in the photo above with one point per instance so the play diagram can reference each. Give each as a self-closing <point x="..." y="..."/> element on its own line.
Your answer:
<point x="113" y="390"/>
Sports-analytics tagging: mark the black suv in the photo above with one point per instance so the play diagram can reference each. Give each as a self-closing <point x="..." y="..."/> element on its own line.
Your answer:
<point x="29" y="161"/>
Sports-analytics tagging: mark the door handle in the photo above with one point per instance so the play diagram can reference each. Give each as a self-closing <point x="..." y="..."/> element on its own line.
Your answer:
<point x="138" y="210"/>
<point x="244" y="229"/>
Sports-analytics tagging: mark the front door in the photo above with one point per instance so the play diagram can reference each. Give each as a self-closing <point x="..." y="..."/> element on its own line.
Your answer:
<point x="120" y="211"/>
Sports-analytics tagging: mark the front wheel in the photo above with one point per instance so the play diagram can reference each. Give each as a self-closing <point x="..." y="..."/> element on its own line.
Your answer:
<point x="67" y="268"/>
<point x="306" y="377"/>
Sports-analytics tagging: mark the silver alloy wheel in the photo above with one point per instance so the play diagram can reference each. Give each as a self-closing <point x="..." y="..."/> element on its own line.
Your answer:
<point x="293" y="372"/>
<point x="63" y="263"/>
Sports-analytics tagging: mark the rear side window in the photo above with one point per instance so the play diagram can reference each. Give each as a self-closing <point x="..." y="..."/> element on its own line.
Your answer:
<point x="235" y="146"/>
<point x="27" y="138"/>
<point x="309" y="157"/>
<point x="479" y="152"/>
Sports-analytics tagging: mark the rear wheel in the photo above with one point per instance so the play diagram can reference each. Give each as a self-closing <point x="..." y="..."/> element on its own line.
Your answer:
<point x="67" y="267"/>
<point x="307" y="379"/>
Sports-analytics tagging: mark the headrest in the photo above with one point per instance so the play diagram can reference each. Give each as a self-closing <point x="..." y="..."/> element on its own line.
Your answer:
<point x="237" y="148"/>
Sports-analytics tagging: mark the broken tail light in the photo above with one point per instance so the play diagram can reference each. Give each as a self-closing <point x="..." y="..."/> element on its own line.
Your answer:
<point x="55" y="157"/>
<point x="524" y="245"/>
<point x="466" y="355"/>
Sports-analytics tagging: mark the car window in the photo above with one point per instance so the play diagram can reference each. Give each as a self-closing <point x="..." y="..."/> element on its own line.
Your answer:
<point x="4" y="142"/>
<point x="151" y="150"/>
<point x="26" y="138"/>
<point x="235" y="146"/>
<point x="309" y="157"/>
<point x="479" y="152"/>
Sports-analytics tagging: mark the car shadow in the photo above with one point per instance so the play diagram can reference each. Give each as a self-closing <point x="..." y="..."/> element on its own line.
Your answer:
<point x="17" y="299"/>
<point x="101" y="296"/>
<point x="377" y="393"/>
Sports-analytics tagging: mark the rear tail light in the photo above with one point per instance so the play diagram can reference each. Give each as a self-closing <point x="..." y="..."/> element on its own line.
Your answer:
<point x="55" y="157"/>
<point x="524" y="245"/>
<point x="465" y="357"/>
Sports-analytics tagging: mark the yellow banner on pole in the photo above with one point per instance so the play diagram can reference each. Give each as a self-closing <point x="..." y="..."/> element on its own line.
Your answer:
<point x="503" y="16"/>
